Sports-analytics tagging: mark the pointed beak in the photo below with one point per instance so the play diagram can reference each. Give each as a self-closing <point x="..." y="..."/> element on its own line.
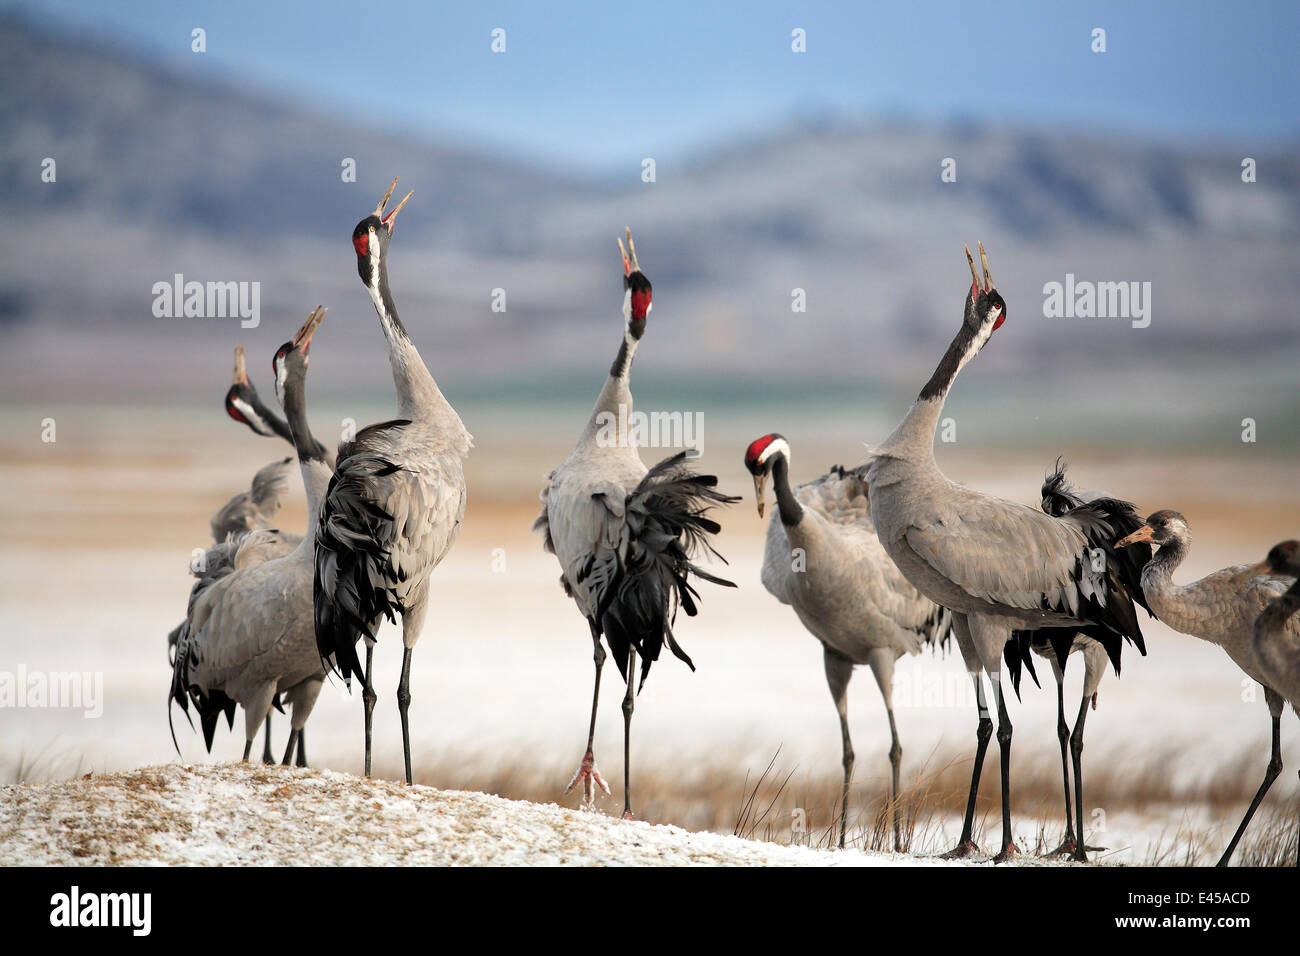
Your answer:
<point x="1253" y="571"/>
<point x="630" y="264"/>
<point x="379" y="210"/>
<point x="240" y="376"/>
<point x="970" y="261"/>
<point x="984" y="264"/>
<point x="302" y="340"/>
<point x="1143" y="533"/>
<point x="760" y="487"/>
<point x="392" y="216"/>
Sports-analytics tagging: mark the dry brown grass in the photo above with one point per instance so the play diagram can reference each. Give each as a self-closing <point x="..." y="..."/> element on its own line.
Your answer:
<point x="765" y="802"/>
<point x="781" y="802"/>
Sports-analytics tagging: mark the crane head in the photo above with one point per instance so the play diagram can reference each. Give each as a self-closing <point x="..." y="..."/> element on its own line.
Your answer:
<point x="1283" y="559"/>
<point x="637" y="293"/>
<point x="242" y="401"/>
<point x="984" y="305"/>
<point x="1161" y="528"/>
<point x="370" y="237"/>
<point x="758" y="462"/>
<point x="291" y="357"/>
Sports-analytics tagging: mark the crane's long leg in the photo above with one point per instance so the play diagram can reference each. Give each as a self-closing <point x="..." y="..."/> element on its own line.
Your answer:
<point x="267" y="756"/>
<point x="368" y="698"/>
<point x="1274" y="701"/>
<point x="629" y="704"/>
<point x="1009" y="849"/>
<point x="839" y="670"/>
<point x="1076" y="751"/>
<point x="882" y="666"/>
<point x="587" y="771"/>
<point x="288" y="751"/>
<point x="302" y="748"/>
<point x="403" y="706"/>
<point x="1063" y="735"/>
<point x="983" y="731"/>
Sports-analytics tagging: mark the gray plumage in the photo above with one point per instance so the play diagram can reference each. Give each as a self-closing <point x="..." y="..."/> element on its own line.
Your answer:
<point x="998" y="565"/>
<point x="255" y="508"/>
<point x="249" y="635"/>
<point x="1223" y="608"/>
<point x="395" y="504"/>
<point x="626" y="537"/>
<point x="1277" y="629"/>
<point x="822" y="557"/>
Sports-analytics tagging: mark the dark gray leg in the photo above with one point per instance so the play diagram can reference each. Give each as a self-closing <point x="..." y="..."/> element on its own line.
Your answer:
<point x="403" y="705"/>
<point x="895" y="764"/>
<point x="1063" y="735"/>
<point x="1004" y="745"/>
<point x="288" y="751"/>
<point x="248" y="749"/>
<point x="839" y="670"/>
<point x="587" y="771"/>
<point x="1076" y="751"/>
<point x="368" y="698"/>
<point x="267" y="756"/>
<point x="984" y="730"/>
<point x="302" y="748"/>
<point x="1271" y="774"/>
<point x="629" y="704"/>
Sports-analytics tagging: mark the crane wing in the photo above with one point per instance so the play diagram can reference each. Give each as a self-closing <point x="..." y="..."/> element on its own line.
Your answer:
<point x="383" y="527"/>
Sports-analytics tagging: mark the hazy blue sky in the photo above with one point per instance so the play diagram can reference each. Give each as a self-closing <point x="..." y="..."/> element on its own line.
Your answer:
<point x="602" y="83"/>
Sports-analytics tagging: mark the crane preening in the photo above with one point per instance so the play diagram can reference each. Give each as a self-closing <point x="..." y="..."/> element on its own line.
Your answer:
<point x="395" y="504"/>
<point x="1223" y="608"/>
<point x="627" y="538"/>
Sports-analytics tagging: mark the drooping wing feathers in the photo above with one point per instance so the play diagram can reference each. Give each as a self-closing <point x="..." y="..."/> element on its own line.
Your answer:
<point x="642" y="576"/>
<point x="393" y="509"/>
<point x="352" y="589"/>
<point x="1103" y="521"/>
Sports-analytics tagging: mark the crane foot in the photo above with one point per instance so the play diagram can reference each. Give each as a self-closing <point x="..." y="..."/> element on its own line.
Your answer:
<point x="962" y="850"/>
<point x="591" y="779"/>
<point x="1009" y="852"/>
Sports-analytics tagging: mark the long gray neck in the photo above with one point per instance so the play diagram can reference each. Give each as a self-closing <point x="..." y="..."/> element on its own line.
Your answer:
<point x="787" y="504"/>
<point x="1165" y="562"/>
<point x="312" y="457"/>
<point x="418" y="397"/>
<point x="914" y="436"/>
<point x="614" y="404"/>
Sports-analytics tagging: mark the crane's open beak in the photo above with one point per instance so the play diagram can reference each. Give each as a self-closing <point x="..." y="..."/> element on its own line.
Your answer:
<point x="240" y="376"/>
<point x="760" y="487"/>
<point x="630" y="264"/>
<point x="1143" y="533"/>
<point x="302" y="340"/>
<point x="387" y="220"/>
<point x="987" y="284"/>
<point x="1253" y="571"/>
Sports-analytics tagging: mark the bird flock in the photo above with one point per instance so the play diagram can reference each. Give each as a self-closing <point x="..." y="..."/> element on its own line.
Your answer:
<point x="877" y="561"/>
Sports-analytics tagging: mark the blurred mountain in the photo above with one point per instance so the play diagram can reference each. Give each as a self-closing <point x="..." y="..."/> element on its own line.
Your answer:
<point x="162" y="171"/>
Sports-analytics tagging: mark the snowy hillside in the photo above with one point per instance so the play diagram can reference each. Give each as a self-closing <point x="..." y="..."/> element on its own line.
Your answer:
<point x="255" y="815"/>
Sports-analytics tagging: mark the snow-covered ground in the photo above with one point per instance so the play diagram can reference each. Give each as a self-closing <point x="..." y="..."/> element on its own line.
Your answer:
<point x="92" y="576"/>
<point x="252" y="815"/>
